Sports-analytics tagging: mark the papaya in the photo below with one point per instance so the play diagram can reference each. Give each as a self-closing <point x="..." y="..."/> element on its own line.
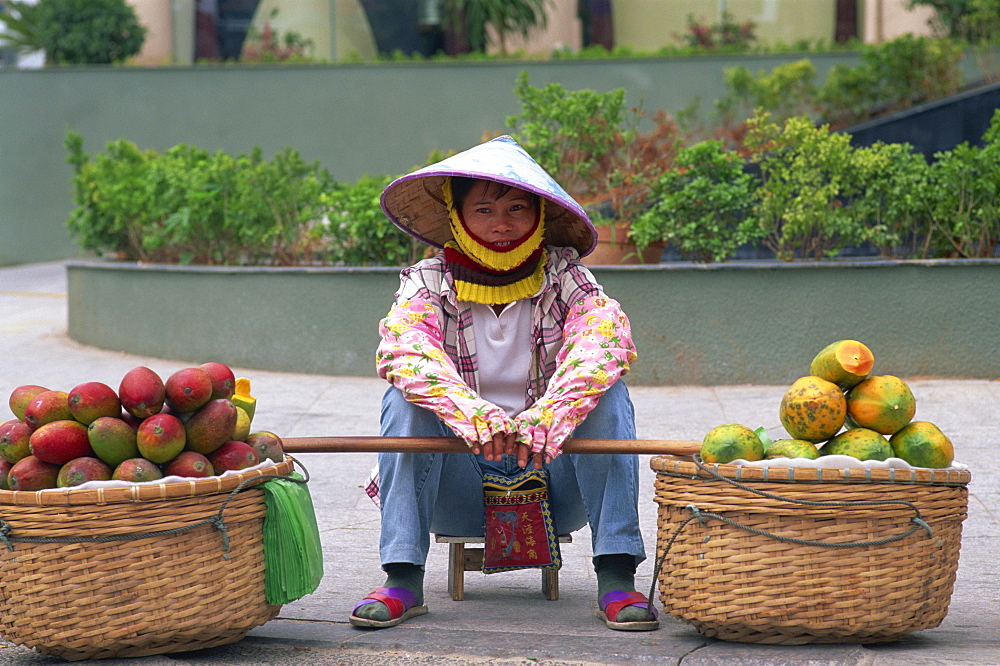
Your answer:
<point x="882" y="403"/>
<point x="860" y="443"/>
<point x="846" y="363"/>
<point x="813" y="409"/>
<point x="922" y="444"/>
<point x="731" y="441"/>
<point x="792" y="448"/>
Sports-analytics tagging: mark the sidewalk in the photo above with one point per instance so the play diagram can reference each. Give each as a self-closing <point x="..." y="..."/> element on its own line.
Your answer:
<point x="505" y="619"/>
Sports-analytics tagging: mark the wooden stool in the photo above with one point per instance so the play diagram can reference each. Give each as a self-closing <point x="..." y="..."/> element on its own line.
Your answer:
<point x="462" y="559"/>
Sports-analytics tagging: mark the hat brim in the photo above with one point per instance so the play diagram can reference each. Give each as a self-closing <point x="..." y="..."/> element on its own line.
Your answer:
<point x="415" y="202"/>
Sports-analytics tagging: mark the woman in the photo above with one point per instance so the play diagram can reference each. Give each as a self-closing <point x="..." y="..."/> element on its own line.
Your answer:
<point x="506" y="340"/>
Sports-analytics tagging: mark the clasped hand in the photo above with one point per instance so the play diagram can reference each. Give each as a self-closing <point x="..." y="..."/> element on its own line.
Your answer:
<point x="502" y="443"/>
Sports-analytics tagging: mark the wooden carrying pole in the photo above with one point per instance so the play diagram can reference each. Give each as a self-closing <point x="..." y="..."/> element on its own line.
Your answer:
<point x="457" y="445"/>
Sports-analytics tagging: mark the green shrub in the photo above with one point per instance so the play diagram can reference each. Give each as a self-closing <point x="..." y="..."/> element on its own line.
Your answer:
<point x="87" y="32"/>
<point x="894" y="75"/>
<point x="357" y="232"/>
<point x="891" y="203"/>
<point x="965" y="207"/>
<point x="815" y="195"/>
<point x="112" y="196"/>
<point x="702" y="205"/>
<point x="189" y="206"/>
<point x="591" y="144"/>
<point x="788" y="90"/>
<point x="808" y="176"/>
<point x="572" y="134"/>
<point x="959" y="19"/>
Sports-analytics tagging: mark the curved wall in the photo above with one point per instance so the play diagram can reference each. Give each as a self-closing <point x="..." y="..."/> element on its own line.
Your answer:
<point x="735" y="323"/>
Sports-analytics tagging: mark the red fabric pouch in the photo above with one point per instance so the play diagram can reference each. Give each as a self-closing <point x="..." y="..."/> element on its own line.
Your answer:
<point x="520" y="533"/>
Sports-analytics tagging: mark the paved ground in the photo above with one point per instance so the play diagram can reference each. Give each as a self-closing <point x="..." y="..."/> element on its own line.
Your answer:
<point x="505" y="619"/>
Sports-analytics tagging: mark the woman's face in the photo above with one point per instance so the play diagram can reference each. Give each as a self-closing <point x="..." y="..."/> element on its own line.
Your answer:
<point x="499" y="219"/>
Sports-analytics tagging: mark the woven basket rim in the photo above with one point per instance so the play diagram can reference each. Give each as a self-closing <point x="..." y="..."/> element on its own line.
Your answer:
<point x="685" y="466"/>
<point x="140" y="492"/>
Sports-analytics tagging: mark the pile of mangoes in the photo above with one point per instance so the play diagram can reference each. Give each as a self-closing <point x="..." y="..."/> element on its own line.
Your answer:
<point x="195" y="424"/>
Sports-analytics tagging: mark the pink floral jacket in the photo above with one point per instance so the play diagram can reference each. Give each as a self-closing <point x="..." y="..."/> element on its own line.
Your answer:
<point x="582" y="345"/>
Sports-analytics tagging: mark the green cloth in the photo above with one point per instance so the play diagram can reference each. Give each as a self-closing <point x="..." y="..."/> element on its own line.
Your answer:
<point x="293" y="554"/>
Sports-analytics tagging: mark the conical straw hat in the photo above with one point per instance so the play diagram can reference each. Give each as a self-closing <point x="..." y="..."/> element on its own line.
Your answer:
<point x="415" y="204"/>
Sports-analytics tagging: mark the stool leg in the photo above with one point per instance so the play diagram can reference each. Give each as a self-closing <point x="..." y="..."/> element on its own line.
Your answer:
<point x="456" y="571"/>
<point x="550" y="584"/>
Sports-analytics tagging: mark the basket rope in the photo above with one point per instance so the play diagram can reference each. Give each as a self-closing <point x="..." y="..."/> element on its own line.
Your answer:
<point x="215" y="521"/>
<point x="700" y="516"/>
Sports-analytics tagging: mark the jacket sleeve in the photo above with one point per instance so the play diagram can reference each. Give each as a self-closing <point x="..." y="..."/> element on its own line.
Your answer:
<point x="411" y="356"/>
<point x="597" y="351"/>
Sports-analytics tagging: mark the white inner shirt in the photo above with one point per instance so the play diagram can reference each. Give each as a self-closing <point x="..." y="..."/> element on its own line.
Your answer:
<point x="503" y="349"/>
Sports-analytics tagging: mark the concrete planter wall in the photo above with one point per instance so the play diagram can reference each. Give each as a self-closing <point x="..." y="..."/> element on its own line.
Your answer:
<point x="734" y="323"/>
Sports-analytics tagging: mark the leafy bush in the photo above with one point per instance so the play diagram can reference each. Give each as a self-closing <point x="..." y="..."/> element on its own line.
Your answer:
<point x="82" y="32"/>
<point x="571" y="134"/>
<point x="892" y="200"/>
<point x="357" y="233"/>
<point x="965" y="208"/>
<point x="111" y="197"/>
<point x="815" y="194"/>
<point x="190" y="206"/>
<point x="895" y="75"/>
<point x="703" y="205"/>
<point x="890" y="76"/>
<point x="788" y="90"/>
<point x="961" y="19"/>
<point x="591" y="144"/>
<point x="808" y="175"/>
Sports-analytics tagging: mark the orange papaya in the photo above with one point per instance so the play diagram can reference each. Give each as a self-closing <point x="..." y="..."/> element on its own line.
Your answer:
<point x="882" y="403"/>
<point x="845" y="363"/>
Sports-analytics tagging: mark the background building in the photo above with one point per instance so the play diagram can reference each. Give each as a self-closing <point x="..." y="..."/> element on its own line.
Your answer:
<point x="182" y="31"/>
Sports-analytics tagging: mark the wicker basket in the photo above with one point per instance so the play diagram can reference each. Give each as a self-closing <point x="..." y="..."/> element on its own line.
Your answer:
<point x="87" y="596"/>
<point x="763" y="586"/>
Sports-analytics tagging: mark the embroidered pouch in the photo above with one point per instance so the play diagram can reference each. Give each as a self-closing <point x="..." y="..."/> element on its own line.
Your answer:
<point x="520" y="532"/>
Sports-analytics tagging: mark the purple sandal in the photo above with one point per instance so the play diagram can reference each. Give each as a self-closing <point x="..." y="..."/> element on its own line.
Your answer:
<point x="612" y="603"/>
<point x="402" y="605"/>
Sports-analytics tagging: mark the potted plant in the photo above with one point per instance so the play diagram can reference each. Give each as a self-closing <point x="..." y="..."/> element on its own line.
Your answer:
<point x="590" y="142"/>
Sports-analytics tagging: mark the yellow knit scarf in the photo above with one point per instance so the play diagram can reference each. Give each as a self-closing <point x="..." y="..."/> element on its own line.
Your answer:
<point x="491" y="275"/>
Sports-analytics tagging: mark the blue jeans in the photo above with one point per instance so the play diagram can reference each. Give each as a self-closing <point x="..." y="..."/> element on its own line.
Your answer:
<point x="443" y="492"/>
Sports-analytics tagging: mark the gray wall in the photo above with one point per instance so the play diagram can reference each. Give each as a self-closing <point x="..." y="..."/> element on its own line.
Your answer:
<point x="354" y="119"/>
<point x="693" y="324"/>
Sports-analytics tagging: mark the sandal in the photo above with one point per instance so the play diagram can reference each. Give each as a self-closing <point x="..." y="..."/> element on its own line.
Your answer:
<point x="402" y="605"/>
<point x="612" y="602"/>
